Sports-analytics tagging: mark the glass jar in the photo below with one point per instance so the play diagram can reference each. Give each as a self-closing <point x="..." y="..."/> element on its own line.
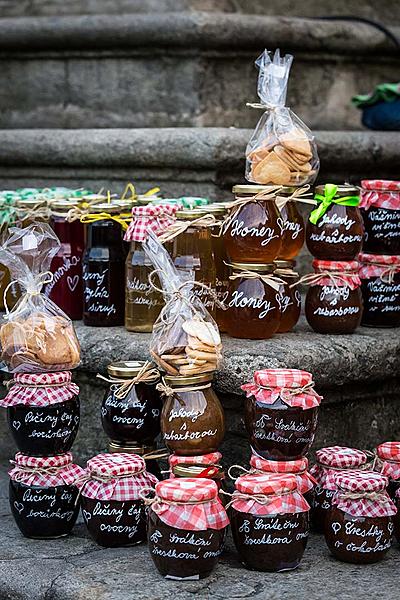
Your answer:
<point x="192" y="418"/>
<point x="380" y="287"/>
<point x="380" y="209"/>
<point x="389" y="456"/>
<point x="252" y="305"/>
<point x="253" y="231"/>
<point x="31" y="209"/>
<point x="294" y="230"/>
<point x="338" y="233"/>
<point x="131" y="407"/>
<point x="103" y="270"/>
<point x="150" y="455"/>
<point x="219" y="210"/>
<point x="289" y="298"/>
<point x="269" y="521"/>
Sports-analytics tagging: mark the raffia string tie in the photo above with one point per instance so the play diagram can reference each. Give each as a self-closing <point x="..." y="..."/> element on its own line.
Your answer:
<point x="156" y="454"/>
<point x="82" y="481"/>
<point x="35" y="470"/>
<point x="379" y="497"/>
<point x="263" y="499"/>
<point x="388" y="272"/>
<point x="35" y="212"/>
<point x="159" y="505"/>
<point x="299" y="195"/>
<point x="237" y="204"/>
<point x="240" y="468"/>
<point x="179" y="227"/>
<point x="287" y="393"/>
<point x="130" y="188"/>
<point x="147" y="374"/>
<point x="269" y="279"/>
<point x="32" y="288"/>
<point x="169" y="392"/>
<point x="315" y="278"/>
<point x="104" y="216"/>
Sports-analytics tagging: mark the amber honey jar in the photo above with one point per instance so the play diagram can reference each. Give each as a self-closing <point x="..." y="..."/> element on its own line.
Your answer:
<point x="219" y="210"/>
<point x="289" y="297"/>
<point x="293" y="223"/>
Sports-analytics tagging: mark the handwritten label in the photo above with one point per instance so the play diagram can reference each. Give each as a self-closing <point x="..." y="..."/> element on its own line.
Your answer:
<point x="293" y="228"/>
<point x="96" y="292"/>
<point x="141" y="293"/>
<point x="274" y="531"/>
<point x="382" y="224"/>
<point x="195" y="546"/>
<point x="284" y="431"/>
<point x="42" y="504"/>
<point x="361" y="536"/>
<point x="239" y="300"/>
<point x="336" y="230"/>
<point x="43" y="425"/>
<point x="383" y="297"/>
<point x="121" y="518"/>
<point x="265" y="233"/>
<point x="332" y="297"/>
<point x="185" y="434"/>
<point x="62" y="272"/>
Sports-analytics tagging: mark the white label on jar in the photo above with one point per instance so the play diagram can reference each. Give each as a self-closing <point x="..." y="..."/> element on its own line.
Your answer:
<point x="97" y="297"/>
<point x="239" y="300"/>
<point x="267" y="234"/>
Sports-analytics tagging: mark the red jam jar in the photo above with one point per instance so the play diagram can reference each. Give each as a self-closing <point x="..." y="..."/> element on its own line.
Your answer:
<point x="330" y="461"/>
<point x="43" y="412"/>
<point x="334" y="301"/>
<point x="389" y="465"/>
<point x="111" y="499"/>
<point x="380" y="286"/>
<point x="207" y="466"/>
<point x="281" y="412"/>
<point x="335" y="228"/>
<point x="380" y="208"/>
<point x="289" y="297"/>
<point x="43" y="496"/>
<point x="186" y="528"/>
<point x="269" y="521"/>
<point x="359" y="526"/>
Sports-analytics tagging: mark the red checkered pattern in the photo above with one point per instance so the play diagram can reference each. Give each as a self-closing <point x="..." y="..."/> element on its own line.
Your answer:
<point x="389" y="453"/>
<point x="378" y="265"/>
<point x="268" y="495"/>
<point x="333" y="459"/>
<point x="363" y="494"/>
<point x="341" y="273"/>
<point x="116" y="476"/>
<point x="25" y="390"/>
<point x="382" y="193"/>
<point x="270" y="384"/>
<point x="153" y="217"/>
<point x="45" y="471"/>
<point x="214" y="458"/>
<point x="298" y="468"/>
<point x="190" y="503"/>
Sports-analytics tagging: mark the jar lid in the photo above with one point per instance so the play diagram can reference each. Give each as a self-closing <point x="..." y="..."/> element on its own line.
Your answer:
<point x="214" y="209"/>
<point x="341" y="457"/>
<point x="190" y="489"/>
<point x="361" y="481"/>
<point x="40" y="389"/>
<point x="213" y="458"/>
<point x="115" y="464"/>
<point x="342" y="190"/>
<point x="128" y="369"/>
<point x="282" y="378"/>
<point x="106" y="207"/>
<point x="124" y="204"/>
<point x="195" y="471"/>
<point x="389" y="451"/>
<point x="251" y="189"/>
<point x="189" y="214"/>
<point x="130" y="448"/>
<point x="260" y="267"/>
<point x="43" y="462"/>
<point x="379" y="259"/>
<point x="94" y="198"/>
<point x="271" y="484"/>
<point x="285" y="264"/>
<point x="31" y="203"/>
<point x="63" y="205"/>
<point x="176" y="381"/>
<point x="45" y="471"/>
<point x="279" y="466"/>
<point x="384" y="185"/>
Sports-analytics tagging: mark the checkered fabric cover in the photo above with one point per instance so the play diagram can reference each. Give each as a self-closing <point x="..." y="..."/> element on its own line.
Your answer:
<point x="378" y="265"/>
<point x="270" y="384"/>
<point x="339" y="458"/>
<point x="115" y="476"/>
<point x="153" y="217"/>
<point x="298" y="468"/>
<point x="369" y="488"/>
<point x="214" y="458"/>
<point x="190" y="503"/>
<point x="381" y="193"/>
<point x="389" y="453"/>
<point x="32" y="395"/>
<point x="45" y="471"/>
<point x="342" y="273"/>
<point x="271" y="494"/>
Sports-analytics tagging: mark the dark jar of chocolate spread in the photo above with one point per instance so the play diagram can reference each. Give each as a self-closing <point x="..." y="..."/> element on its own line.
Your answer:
<point x="111" y="499"/>
<point x="270" y="522"/>
<point x="380" y="286"/>
<point x="335" y="228"/>
<point x="389" y="464"/>
<point x="281" y="412"/>
<point x="43" y="412"/>
<point x="186" y="528"/>
<point x="131" y="407"/>
<point x="42" y="494"/>
<point x="380" y="209"/>
<point x="289" y="297"/>
<point x="359" y="527"/>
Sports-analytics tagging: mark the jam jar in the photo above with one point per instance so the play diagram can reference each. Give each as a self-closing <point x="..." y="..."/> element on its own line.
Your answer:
<point x="254" y="227"/>
<point x="359" y="526"/>
<point x="396" y="518"/>
<point x="380" y="208"/>
<point x="335" y="228"/>
<point x="207" y="466"/>
<point x="43" y="497"/>
<point x="253" y="302"/>
<point x="111" y="499"/>
<point x="293" y="223"/>
<point x="103" y="268"/>
<point x="43" y="412"/>
<point x="192" y="418"/>
<point x="32" y="209"/>
<point x="269" y="521"/>
<point x="281" y="412"/>
<point x="389" y="456"/>
<point x="289" y="297"/>
<point x="380" y="286"/>
<point x="131" y="407"/>
<point x="330" y="461"/>
<point x="334" y="301"/>
<point x="150" y="455"/>
<point x="186" y="528"/>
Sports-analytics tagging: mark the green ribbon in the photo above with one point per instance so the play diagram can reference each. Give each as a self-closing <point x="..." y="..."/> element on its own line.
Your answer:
<point x="329" y="198"/>
<point x="7" y="213"/>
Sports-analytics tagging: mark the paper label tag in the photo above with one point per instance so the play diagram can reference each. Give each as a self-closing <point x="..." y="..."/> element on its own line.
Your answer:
<point x="29" y="242"/>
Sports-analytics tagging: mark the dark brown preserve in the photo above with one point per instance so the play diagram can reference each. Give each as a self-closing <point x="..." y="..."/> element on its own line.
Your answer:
<point x="333" y="309"/>
<point x="381" y="302"/>
<point x="321" y="505"/>
<point x="382" y="230"/>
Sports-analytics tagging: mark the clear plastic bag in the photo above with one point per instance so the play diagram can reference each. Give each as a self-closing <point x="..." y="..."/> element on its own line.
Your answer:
<point x="185" y="339"/>
<point x="35" y="336"/>
<point x="282" y="150"/>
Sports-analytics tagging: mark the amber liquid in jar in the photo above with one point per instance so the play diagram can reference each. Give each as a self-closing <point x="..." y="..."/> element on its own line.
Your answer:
<point x="220" y="261"/>
<point x="293" y="231"/>
<point x="289" y="298"/>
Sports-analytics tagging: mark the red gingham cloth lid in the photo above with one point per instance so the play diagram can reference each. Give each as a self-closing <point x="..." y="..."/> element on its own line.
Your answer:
<point x="54" y="388"/>
<point x="294" y="387"/>
<point x="214" y="458"/>
<point x="341" y="273"/>
<point x="116" y="476"/>
<point x="45" y="471"/>
<point x="153" y="217"/>
<point x="268" y="495"/>
<point x="389" y="454"/>
<point x="298" y="468"/>
<point x="189" y="503"/>
<point x="363" y="494"/>
<point x="333" y="459"/>
<point x="382" y="193"/>
<point x="379" y="265"/>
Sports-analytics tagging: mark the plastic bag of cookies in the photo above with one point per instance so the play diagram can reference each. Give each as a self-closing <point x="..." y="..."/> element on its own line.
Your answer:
<point x="185" y="338"/>
<point x="35" y="336"/>
<point x="282" y="150"/>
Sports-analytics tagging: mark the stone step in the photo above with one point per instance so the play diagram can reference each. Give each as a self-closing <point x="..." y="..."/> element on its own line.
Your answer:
<point x="165" y="69"/>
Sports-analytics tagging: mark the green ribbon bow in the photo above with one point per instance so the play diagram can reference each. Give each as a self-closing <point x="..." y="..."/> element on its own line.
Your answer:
<point x="325" y="201"/>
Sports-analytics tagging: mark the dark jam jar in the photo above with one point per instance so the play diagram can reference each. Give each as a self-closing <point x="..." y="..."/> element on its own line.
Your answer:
<point x="335" y="228"/>
<point x="334" y="301"/>
<point x="269" y="521"/>
<point x="281" y="412"/>
<point x="131" y="407"/>
<point x="289" y="297"/>
<point x="111" y="499"/>
<point x="43" y="497"/>
<point x="359" y="526"/>
<point x="293" y="224"/>
<point x="389" y="464"/>
<point x="253" y="302"/>
<point x="380" y="286"/>
<point x="43" y="412"/>
<point x="150" y="454"/>
<point x="253" y="229"/>
<point x="104" y="268"/>
<point x="380" y="208"/>
<point x="186" y="544"/>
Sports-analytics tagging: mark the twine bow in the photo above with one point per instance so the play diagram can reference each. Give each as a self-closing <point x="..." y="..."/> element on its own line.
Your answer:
<point x="335" y="278"/>
<point x="38" y="211"/>
<point x="179" y="227"/>
<point x="169" y="392"/>
<point x="269" y="279"/>
<point x="388" y="271"/>
<point x="263" y="499"/>
<point x="23" y="469"/>
<point x="32" y="288"/>
<point x="147" y="374"/>
<point x="379" y="497"/>
<point x="299" y="195"/>
<point x="329" y="198"/>
<point x="82" y="481"/>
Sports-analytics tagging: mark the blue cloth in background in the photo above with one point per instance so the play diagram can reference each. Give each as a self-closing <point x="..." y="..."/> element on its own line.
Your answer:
<point x="383" y="116"/>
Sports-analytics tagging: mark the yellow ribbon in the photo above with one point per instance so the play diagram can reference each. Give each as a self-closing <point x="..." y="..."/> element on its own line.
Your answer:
<point x="134" y="196"/>
<point x="94" y="217"/>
